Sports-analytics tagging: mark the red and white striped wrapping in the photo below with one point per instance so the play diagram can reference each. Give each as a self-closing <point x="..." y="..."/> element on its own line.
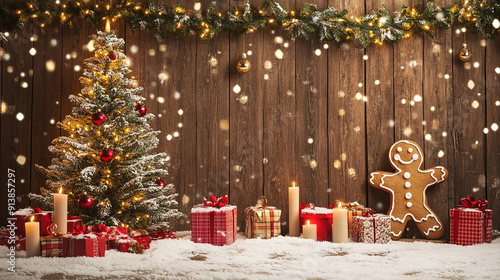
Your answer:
<point x="470" y="226"/>
<point x="52" y="246"/>
<point x="216" y="226"/>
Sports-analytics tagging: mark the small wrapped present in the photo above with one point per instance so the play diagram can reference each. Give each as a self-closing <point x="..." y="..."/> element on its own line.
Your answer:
<point x="123" y="244"/>
<point x="84" y="245"/>
<point x="52" y="246"/>
<point x="24" y="215"/>
<point x="111" y="234"/>
<point x="471" y="223"/>
<point x="353" y="209"/>
<point x="319" y="216"/>
<point x="161" y="234"/>
<point x="73" y="221"/>
<point x="372" y="228"/>
<point x="141" y="237"/>
<point x="214" y="222"/>
<point x="262" y="221"/>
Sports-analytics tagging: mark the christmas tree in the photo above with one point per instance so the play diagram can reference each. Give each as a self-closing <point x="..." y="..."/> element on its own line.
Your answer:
<point x="104" y="164"/>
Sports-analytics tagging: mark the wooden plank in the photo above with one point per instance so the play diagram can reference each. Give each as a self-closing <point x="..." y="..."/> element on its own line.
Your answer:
<point x="246" y="123"/>
<point x="212" y="116"/>
<point x="379" y="112"/>
<point x="311" y="99"/>
<point x="468" y="120"/>
<point x="492" y="67"/>
<point x="279" y="121"/>
<point x="47" y="66"/>
<point x="438" y="107"/>
<point x="408" y="110"/>
<point x="17" y="90"/>
<point x="346" y="116"/>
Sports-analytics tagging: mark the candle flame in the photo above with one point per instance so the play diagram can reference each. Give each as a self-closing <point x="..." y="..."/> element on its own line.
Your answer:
<point x="308" y="222"/>
<point x="60" y="190"/>
<point x="340" y="204"/>
<point x="108" y="27"/>
<point x="32" y="218"/>
<point x="293" y="183"/>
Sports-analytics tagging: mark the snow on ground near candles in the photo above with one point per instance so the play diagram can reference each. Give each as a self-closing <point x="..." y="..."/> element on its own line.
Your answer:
<point x="278" y="258"/>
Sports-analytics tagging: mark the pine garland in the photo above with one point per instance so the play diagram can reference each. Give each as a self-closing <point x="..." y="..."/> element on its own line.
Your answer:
<point x="330" y="24"/>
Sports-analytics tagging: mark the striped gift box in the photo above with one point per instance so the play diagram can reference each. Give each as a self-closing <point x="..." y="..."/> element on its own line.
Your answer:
<point x="470" y="226"/>
<point x="52" y="246"/>
<point x="262" y="222"/>
<point x="216" y="226"/>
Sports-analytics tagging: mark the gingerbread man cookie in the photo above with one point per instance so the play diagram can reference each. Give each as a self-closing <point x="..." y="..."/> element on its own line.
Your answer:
<point x="407" y="188"/>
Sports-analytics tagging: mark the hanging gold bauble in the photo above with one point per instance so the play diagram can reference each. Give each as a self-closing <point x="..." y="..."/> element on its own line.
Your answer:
<point x="2" y="53"/>
<point x="464" y="54"/>
<point x="243" y="65"/>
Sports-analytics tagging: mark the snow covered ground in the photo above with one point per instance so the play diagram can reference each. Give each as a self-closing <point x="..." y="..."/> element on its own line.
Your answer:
<point x="278" y="258"/>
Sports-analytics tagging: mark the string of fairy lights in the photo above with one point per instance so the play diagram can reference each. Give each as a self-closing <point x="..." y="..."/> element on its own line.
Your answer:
<point x="376" y="27"/>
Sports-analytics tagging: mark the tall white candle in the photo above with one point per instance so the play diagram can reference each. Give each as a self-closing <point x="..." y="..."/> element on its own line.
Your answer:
<point x="340" y="229"/>
<point x="310" y="231"/>
<point x="32" y="230"/>
<point x="61" y="212"/>
<point x="293" y="210"/>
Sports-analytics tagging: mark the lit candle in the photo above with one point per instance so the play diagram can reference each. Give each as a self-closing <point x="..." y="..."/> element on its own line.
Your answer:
<point x="310" y="231"/>
<point x="61" y="212"/>
<point x="293" y="210"/>
<point x="339" y="225"/>
<point x="108" y="27"/>
<point x="32" y="230"/>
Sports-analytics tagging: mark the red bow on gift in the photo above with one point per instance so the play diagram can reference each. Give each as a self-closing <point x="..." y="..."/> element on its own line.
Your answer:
<point x="161" y="234"/>
<point x="216" y="202"/>
<point x="307" y="205"/>
<point x="80" y="229"/>
<point x="470" y="202"/>
<point x="99" y="228"/>
<point x="36" y="210"/>
<point x="89" y="229"/>
<point x="368" y="213"/>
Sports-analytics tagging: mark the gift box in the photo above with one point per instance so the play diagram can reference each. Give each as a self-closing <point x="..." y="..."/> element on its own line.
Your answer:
<point x="74" y="221"/>
<point x="470" y="226"/>
<point x="24" y="215"/>
<point x="112" y="234"/>
<point x="141" y="237"/>
<point x="262" y="221"/>
<point x="319" y="216"/>
<point x="374" y="229"/>
<point x="353" y="209"/>
<point x="124" y="243"/>
<point x="52" y="246"/>
<point x="84" y="245"/>
<point x="215" y="224"/>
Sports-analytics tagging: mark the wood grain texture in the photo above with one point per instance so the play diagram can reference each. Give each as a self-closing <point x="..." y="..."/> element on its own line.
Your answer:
<point x="346" y="116"/>
<point x="311" y="99"/>
<point x="492" y="66"/>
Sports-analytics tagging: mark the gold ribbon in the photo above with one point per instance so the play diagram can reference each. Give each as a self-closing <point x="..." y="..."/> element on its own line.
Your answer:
<point x="262" y="203"/>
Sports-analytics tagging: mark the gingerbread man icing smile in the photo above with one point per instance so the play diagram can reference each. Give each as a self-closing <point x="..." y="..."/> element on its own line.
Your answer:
<point x="407" y="188"/>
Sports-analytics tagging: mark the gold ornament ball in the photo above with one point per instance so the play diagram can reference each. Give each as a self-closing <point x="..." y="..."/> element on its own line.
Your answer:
<point x="2" y="53"/>
<point x="243" y="65"/>
<point x="464" y="54"/>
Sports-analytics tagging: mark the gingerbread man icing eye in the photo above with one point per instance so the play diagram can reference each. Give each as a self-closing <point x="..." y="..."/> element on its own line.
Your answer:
<point x="399" y="149"/>
<point x="410" y="150"/>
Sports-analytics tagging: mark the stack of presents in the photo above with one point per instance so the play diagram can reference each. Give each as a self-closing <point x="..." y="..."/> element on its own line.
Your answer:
<point x="89" y="241"/>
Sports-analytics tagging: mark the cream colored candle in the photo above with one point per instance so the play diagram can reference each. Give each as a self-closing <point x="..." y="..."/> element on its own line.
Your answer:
<point x="339" y="225"/>
<point x="61" y="212"/>
<point x="293" y="210"/>
<point x="310" y="231"/>
<point x="32" y="230"/>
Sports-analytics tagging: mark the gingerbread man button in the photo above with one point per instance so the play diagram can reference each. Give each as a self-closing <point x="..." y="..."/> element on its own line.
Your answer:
<point x="407" y="187"/>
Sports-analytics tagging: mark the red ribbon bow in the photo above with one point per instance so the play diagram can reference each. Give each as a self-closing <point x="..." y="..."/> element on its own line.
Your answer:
<point x="161" y="234"/>
<point x="470" y="202"/>
<point x="36" y="210"/>
<point x="216" y="202"/>
<point x="89" y="229"/>
<point x="307" y="205"/>
<point x="99" y="228"/>
<point x="80" y="229"/>
<point x="368" y="213"/>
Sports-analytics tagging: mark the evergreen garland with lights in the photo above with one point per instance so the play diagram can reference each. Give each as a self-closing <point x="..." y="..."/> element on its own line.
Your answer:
<point x="104" y="164"/>
<point x="330" y="24"/>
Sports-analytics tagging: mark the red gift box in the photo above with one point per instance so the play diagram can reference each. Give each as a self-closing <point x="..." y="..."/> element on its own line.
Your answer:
<point x="52" y="246"/>
<point x="73" y="221"/>
<point x="141" y="237"/>
<point x="84" y="245"/>
<point x="216" y="226"/>
<point x="322" y="218"/>
<point x="470" y="226"/>
<point x="124" y="243"/>
<point x="24" y="215"/>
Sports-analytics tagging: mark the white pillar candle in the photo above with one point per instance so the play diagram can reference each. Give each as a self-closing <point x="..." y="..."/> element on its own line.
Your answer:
<point x="293" y="210"/>
<point x="340" y="225"/>
<point x="32" y="230"/>
<point x="61" y="212"/>
<point x="310" y="231"/>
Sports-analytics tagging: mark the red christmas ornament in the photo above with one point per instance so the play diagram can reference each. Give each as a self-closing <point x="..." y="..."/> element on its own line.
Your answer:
<point x="113" y="55"/>
<point x="85" y="201"/>
<point x="140" y="109"/>
<point x="160" y="183"/>
<point x="98" y="118"/>
<point x="107" y="155"/>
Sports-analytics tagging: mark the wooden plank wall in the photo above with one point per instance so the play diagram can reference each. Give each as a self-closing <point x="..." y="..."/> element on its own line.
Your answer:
<point x="319" y="113"/>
